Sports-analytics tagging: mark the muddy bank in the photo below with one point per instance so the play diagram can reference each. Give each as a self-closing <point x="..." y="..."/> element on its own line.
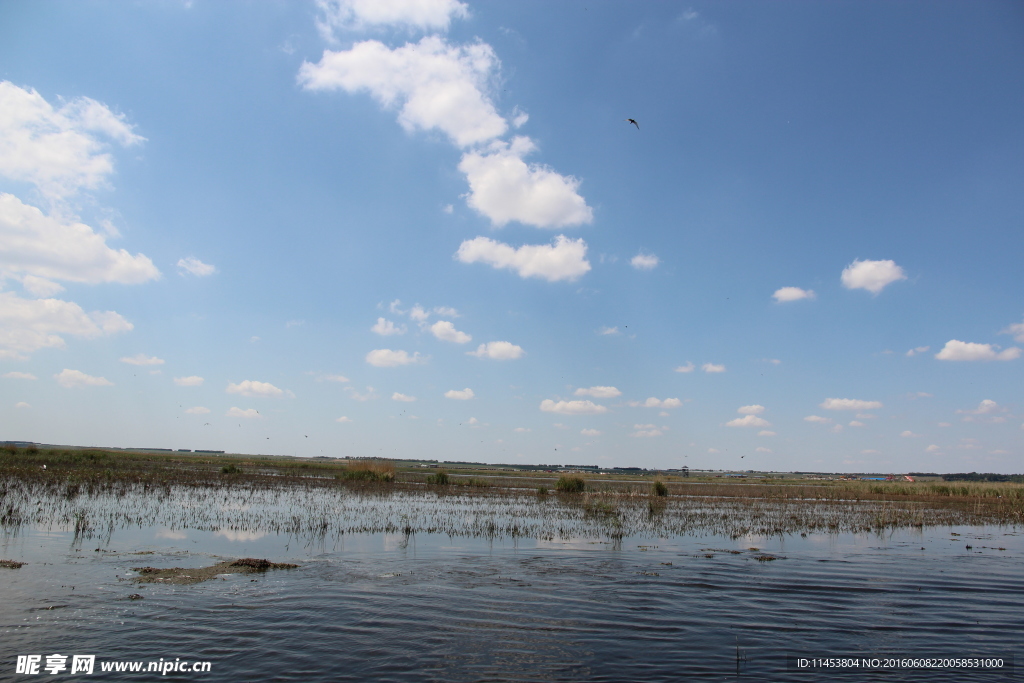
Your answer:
<point x="180" y="576"/>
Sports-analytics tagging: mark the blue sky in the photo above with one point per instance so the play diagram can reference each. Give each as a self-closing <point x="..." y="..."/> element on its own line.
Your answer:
<point x="424" y="228"/>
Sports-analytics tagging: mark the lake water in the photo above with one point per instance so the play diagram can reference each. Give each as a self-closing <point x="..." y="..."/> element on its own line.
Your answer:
<point x="379" y="606"/>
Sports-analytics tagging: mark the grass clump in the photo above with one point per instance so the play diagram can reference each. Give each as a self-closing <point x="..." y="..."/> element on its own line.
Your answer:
<point x="439" y="478"/>
<point x="542" y="490"/>
<point x="231" y="469"/>
<point x="659" y="488"/>
<point x="368" y="470"/>
<point x="570" y="484"/>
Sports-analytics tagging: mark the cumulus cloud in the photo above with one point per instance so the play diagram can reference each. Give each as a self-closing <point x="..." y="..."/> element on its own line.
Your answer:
<point x="425" y="15"/>
<point x="51" y="247"/>
<point x="784" y="294"/>
<point x="1017" y="330"/>
<point x="685" y="368"/>
<point x="60" y="151"/>
<point x="343" y="419"/>
<point x="445" y="331"/>
<point x="14" y="374"/>
<point x="460" y="395"/>
<point x="855" y="423"/>
<point x="498" y="350"/>
<point x="248" y="413"/>
<point x="932" y="448"/>
<point x="198" y="410"/>
<point x="712" y="368"/>
<point x="818" y="419"/>
<point x="505" y="188"/>
<point x="750" y="410"/>
<point x="434" y="85"/>
<point x="446" y="311"/>
<point x="653" y="402"/>
<point x="27" y="325"/>
<point x="565" y="259"/>
<point x="386" y="358"/>
<point x="142" y="359"/>
<point x="402" y="397"/>
<point x="192" y="266"/>
<point x="368" y="396"/>
<point x="572" y="407"/>
<point x="871" y="275"/>
<point x="418" y="313"/>
<point x="605" y="331"/>
<point x="968" y="351"/>
<point x="332" y="378"/>
<point x="907" y="434"/>
<point x="71" y="379"/>
<point x="191" y="381"/>
<point x="849" y="404"/>
<point x="253" y="389"/>
<point x="766" y="432"/>
<point x="22" y="404"/>
<point x="522" y="430"/>
<point x="985" y="407"/>
<point x="916" y="350"/>
<point x="644" y="261"/>
<point x="645" y="431"/>
<point x="598" y="392"/>
<point x="748" y="421"/>
<point x="590" y="432"/>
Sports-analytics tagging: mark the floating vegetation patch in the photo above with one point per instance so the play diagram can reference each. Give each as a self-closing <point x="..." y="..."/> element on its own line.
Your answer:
<point x="11" y="564"/>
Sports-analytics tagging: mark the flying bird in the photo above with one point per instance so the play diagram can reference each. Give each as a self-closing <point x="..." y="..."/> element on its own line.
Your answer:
<point x="633" y="121"/>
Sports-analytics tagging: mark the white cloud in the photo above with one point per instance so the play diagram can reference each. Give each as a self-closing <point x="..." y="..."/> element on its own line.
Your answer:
<point x="916" y="350"/>
<point x="598" y="392"/>
<point x="14" y="374"/>
<point x="685" y="368"/>
<point x="644" y="261"/>
<point x="590" y="432"/>
<point x="27" y="325"/>
<point x="386" y="328"/>
<point x="343" y="419"/>
<point x="57" y="150"/>
<point x="504" y="188"/>
<point x="855" y="423"/>
<point x="748" y="421"/>
<point x="519" y="117"/>
<point x="563" y="260"/>
<point x="784" y="294"/>
<point x="354" y="15"/>
<point x="194" y="266"/>
<point x="572" y="407"/>
<point x="386" y="358"/>
<point x="71" y="379"/>
<point x="714" y="450"/>
<point x="871" y="275"/>
<point x="248" y="413"/>
<point x="1017" y="330"/>
<point x="418" y="313"/>
<point x="932" y="449"/>
<point x="907" y="434"/>
<point x="766" y="432"/>
<point x="445" y="331"/>
<point x="849" y="404"/>
<point x="198" y="410"/>
<point x="142" y="359"/>
<point x="608" y="330"/>
<point x="653" y="402"/>
<point x="434" y="85"/>
<point x="332" y="378"/>
<point x="985" y="407"/>
<point x="463" y="395"/>
<point x="191" y="381"/>
<point x="712" y="368"/>
<point x="446" y="311"/>
<point x="818" y="419"/>
<point x="969" y="351"/>
<point x="252" y="389"/>
<point x="762" y="449"/>
<point x="837" y="428"/>
<point x="22" y="404"/>
<point x="498" y="350"/>
<point x="750" y="410"/>
<point x="40" y="286"/>
<point x="368" y="396"/>
<point x="641" y="433"/>
<point x="402" y="397"/>
<point x="51" y="247"/>
<point x="522" y="430"/>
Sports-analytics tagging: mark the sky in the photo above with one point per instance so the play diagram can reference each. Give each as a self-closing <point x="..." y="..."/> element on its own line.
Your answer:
<point x="431" y="229"/>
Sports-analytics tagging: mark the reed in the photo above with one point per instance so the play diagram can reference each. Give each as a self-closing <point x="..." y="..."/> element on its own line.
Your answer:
<point x="570" y="484"/>
<point x="368" y="470"/>
<point x="439" y="478"/>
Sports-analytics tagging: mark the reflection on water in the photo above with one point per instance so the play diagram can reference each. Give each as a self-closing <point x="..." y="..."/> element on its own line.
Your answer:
<point x="399" y="603"/>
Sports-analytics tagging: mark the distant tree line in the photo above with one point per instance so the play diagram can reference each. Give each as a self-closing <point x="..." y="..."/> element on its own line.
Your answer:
<point x="974" y="476"/>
